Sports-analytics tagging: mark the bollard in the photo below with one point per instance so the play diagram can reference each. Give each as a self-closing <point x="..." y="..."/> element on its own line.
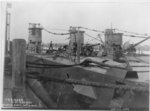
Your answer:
<point x="18" y="71"/>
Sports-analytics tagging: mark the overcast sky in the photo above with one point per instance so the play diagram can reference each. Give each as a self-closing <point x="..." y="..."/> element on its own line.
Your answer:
<point x="133" y="17"/>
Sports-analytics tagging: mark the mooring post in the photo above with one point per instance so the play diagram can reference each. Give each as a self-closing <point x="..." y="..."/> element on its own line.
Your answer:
<point x="18" y="71"/>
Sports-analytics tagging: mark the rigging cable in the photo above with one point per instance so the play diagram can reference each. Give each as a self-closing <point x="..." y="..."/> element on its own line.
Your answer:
<point x="55" y="33"/>
<point x="92" y="37"/>
<point x="135" y="36"/>
<point x="131" y="32"/>
<point x="91" y="29"/>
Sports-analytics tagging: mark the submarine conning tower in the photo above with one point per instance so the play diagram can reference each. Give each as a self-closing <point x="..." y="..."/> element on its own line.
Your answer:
<point x="76" y="42"/>
<point x="76" y="36"/>
<point x="112" y="39"/>
<point x="35" y="37"/>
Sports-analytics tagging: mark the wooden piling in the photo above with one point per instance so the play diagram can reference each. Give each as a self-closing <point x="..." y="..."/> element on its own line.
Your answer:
<point x="18" y="70"/>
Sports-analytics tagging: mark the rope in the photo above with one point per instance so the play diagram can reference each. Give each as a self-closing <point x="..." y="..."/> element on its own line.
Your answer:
<point x="136" y="34"/>
<point x="93" y="84"/>
<point x="33" y="63"/>
<point x="47" y="67"/>
<point x="55" y="33"/>
<point x="103" y="64"/>
<point x="58" y="29"/>
<point x="84" y="63"/>
<point x="91" y="29"/>
<point x="131" y="32"/>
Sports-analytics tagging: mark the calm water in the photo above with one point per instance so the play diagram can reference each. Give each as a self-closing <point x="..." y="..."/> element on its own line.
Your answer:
<point x="143" y="72"/>
<point x="145" y="59"/>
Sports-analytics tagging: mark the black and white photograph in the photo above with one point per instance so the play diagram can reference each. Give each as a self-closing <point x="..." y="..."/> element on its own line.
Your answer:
<point x="75" y="55"/>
